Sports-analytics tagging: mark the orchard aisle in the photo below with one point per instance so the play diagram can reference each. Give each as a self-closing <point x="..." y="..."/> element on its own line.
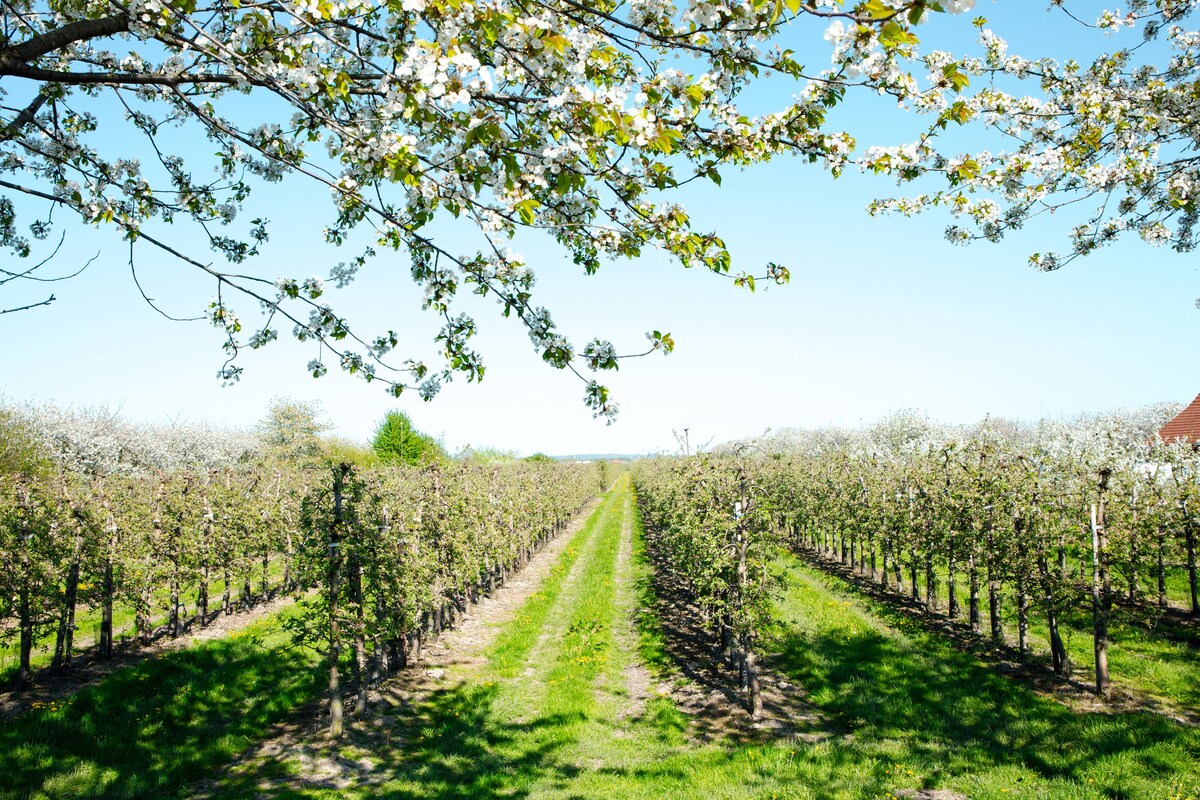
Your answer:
<point x="549" y="698"/>
<point x="554" y="701"/>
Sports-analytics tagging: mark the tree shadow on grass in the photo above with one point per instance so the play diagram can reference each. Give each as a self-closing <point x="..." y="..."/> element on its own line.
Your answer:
<point x="923" y="697"/>
<point x="148" y="730"/>
<point x="452" y="744"/>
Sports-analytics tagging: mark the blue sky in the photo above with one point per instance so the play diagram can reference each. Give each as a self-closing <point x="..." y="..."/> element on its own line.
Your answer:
<point x="881" y="314"/>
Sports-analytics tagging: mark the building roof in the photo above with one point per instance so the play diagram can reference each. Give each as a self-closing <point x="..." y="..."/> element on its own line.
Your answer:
<point x="1185" y="426"/>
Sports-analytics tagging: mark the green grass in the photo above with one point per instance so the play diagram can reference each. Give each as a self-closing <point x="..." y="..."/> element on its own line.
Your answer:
<point x="1148" y="655"/>
<point x="548" y="716"/>
<point x="899" y="695"/>
<point x="148" y="730"/>
<point x="87" y="620"/>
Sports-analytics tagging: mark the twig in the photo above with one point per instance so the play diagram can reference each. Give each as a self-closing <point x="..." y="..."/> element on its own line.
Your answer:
<point x="45" y="302"/>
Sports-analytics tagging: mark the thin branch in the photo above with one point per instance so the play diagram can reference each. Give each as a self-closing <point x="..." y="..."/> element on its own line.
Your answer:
<point x="45" y="302"/>
<point x="141" y="79"/>
<point x="149" y="300"/>
<point x="13" y="129"/>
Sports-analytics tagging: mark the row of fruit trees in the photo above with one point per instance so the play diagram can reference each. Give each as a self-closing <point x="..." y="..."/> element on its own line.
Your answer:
<point x="379" y="558"/>
<point x="1038" y="530"/>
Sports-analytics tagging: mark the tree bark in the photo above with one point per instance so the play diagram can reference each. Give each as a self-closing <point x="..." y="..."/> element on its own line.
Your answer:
<point x="1101" y="599"/>
<point x="1022" y="615"/>
<point x="25" y="606"/>
<point x="973" y="600"/>
<point x="336" y="710"/>
<point x="106" y="612"/>
<point x="1190" y="543"/>
<point x="951" y="586"/>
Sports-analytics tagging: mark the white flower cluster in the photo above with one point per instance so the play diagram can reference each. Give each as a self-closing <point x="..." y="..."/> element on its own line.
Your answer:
<point x="99" y="441"/>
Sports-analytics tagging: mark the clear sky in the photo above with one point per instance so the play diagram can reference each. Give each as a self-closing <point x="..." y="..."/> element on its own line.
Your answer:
<point x="881" y="314"/>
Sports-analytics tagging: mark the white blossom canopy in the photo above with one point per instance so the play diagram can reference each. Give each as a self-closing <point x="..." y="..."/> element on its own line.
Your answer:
<point x="574" y="118"/>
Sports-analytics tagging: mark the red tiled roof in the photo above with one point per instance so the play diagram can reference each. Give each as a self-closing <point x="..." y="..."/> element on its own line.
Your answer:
<point x="1186" y="426"/>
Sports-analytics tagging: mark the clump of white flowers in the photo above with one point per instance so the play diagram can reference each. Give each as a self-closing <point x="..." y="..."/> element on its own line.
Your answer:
<point x="98" y="441"/>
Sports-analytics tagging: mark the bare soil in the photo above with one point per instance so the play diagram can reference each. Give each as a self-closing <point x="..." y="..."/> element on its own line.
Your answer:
<point x="708" y="689"/>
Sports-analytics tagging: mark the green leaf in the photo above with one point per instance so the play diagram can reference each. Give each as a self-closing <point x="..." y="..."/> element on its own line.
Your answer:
<point x="958" y="80"/>
<point x="875" y="9"/>
<point x="893" y="34"/>
<point x="527" y="210"/>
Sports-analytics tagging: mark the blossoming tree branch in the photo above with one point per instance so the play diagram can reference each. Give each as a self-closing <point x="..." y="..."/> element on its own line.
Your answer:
<point x="555" y="115"/>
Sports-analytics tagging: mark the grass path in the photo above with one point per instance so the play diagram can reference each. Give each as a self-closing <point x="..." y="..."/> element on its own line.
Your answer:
<point x="559" y="705"/>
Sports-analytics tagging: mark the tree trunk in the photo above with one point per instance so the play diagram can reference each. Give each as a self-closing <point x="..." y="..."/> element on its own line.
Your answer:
<point x="1101" y="599"/>
<point x="106" y="612"/>
<point x="997" y="630"/>
<point x="1160" y="567"/>
<point x="898" y="568"/>
<point x="25" y="611"/>
<point x="336" y="710"/>
<point x="60" y="639"/>
<point x="205" y="549"/>
<point x="287" y="561"/>
<point x="931" y="587"/>
<point x="912" y="573"/>
<point x="108" y="587"/>
<point x="752" y="681"/>
<point x="951" y="587"/>
<point x="360" y="640"/>
<point x="1135" y="563"/>
<point x="1022" y="615"/>
<point x="1058" y="652"/>
<point x="141" y="617"/>
<point x="973" y="600"/>
<point x="71" y="600"/>
<point x="1190" y="541"/>
<point x="174" y="618"/>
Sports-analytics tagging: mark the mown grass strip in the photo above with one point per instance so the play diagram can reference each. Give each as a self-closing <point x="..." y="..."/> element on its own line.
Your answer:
<point x="508" y="653"/>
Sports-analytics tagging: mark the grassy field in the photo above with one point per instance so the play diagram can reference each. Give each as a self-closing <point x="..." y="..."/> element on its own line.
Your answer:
<point x="564" y="702"/>
<point x="149" y="729"/>
<point x="931" y="716"/>
<point x="550" y="714"/>
<point x="1150" y="653"/>
<point x="87" y="620"/>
